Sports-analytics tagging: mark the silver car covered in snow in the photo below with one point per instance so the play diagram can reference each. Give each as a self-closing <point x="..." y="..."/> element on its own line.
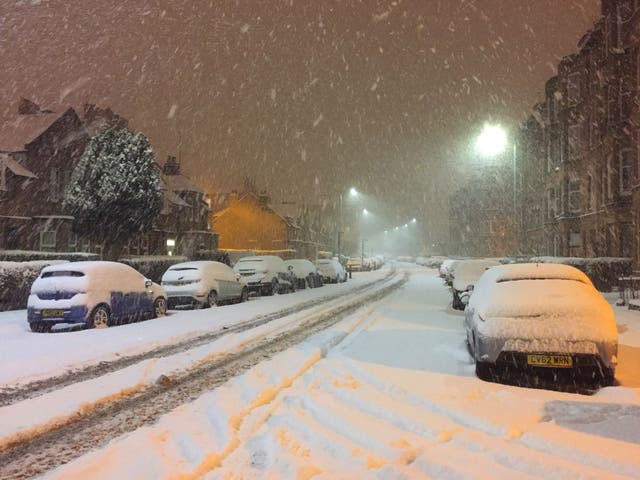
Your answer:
<point x="541" y="324"/>
<point x="203" y="284"/>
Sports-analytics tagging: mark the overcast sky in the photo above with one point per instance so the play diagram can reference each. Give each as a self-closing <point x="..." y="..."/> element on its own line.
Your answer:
<point x="307" y="97"/>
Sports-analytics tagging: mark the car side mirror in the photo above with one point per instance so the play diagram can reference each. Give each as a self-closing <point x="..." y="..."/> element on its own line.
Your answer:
<point x="469" y="288"/>
<point x="147" y="283"/>
<point x="290" y="268"/>
<point x="237" y="277"/>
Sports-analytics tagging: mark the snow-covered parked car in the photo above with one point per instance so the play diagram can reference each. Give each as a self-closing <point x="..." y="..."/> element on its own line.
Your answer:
<point x="265" y="274"/>
<point x="331" y="270"/>
<point x="203" y="284"/>
<point x="97" y="293"/>
<point x="465" y="275"/>
<point x="305" y="273"/>
<point x="446" y="270"/>
<point x="355" y="264"/>
<point x="541" y="325"/>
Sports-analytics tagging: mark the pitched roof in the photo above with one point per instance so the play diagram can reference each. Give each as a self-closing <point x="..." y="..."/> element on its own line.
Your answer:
<point x="288" y="220"/>
<point x="180" y="183"/>
<point x="24" y="129"/>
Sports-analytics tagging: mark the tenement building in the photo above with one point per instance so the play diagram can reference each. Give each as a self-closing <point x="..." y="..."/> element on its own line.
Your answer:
<point x="578" y="159"/>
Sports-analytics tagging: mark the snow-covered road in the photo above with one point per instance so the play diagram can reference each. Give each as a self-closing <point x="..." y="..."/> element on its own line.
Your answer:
<point x="389" y="392"/>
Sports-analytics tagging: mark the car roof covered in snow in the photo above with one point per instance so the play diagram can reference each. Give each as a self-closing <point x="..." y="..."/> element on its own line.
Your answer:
<point x="536" y="271"/>
<point x="89" y="267"/>
<point x="199" y="265"/>
<point x="301" y="266"/>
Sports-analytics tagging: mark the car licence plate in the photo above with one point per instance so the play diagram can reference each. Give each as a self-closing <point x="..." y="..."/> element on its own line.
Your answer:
<point x="53" y="313"/>
<point x="558" y="361"/>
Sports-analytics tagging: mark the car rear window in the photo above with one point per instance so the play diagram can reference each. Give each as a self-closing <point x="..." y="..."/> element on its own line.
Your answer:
<point x="182" y="269"/>
<point x="520" y="279"/>
<point x="62" y="273"/>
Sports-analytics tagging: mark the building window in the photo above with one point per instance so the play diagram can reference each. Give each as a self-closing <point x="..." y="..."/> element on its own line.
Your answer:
<point x="589" y="199"/>
<point x="611" y="102"/>
<point x="48" y="239"/>
<point x="551" y="203"/>
<point x="73" y="239"/>
<point x="55" y="187"/>
<point x="574" y="196"/>
<point x="626" y="170"/>
<point x="594" y="135"/>
<point x="575" y="239"/>
<point x="610" y="178"/>
<point x="573" y="88"/>
<point x="576" y="140"/>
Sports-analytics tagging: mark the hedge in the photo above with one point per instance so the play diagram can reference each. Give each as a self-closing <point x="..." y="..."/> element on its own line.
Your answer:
<point x="604" y="272"/>
<point x="16" y="279"/>
<point x="153" y="267"/>
<point x="29" y="256"/>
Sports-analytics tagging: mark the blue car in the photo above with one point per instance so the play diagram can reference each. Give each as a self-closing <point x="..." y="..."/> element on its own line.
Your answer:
<point x="98" y="294"/>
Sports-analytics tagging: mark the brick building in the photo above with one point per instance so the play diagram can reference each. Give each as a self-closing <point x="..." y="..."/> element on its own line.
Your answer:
<point x="39" y="150"/>
<point x="578" y="152"/>
<point x="248" y="222"/>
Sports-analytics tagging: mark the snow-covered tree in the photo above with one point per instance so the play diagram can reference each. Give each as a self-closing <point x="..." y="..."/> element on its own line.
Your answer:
<point x="115" y="189"/>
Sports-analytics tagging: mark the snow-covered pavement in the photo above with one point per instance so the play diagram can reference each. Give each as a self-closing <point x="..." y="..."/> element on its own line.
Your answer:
<point x="389" y="392"/>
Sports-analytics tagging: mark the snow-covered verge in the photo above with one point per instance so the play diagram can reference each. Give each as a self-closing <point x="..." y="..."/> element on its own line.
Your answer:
<point x="390" y="392"/>
<point x="27" y="356"/>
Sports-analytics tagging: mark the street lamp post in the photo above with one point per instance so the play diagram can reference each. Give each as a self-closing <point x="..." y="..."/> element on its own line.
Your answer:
<point x="493" y="142"/>
<point x="352" y="193"/>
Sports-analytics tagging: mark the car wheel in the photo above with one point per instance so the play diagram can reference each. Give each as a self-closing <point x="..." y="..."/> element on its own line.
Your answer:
<point x="244" y="296"/>
<point x="100" y="317"/>
<point x="160" y="307"/>
<point x="212" y="299"/>
<point x="484" y="371"/>
<point x="41" y="327"/>
<point x="456" y="304"/>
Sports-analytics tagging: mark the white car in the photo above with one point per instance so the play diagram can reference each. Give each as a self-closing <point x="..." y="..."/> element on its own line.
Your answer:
<point x="541" y="324"/>
<point x="305" y="273"/>
<point x="98" y="294"/>
<point x="265" y="274"/>
<point x="203" y="284"/>
<point x="465" y="275"/>
<point x="446" y="270"/>
<point x="331" y="270"/>
<point x="355" y="264"/>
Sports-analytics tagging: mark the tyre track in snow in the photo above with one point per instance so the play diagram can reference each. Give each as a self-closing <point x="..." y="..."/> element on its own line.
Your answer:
<point x="106" y="421"/>
<point x="9" y="395"/>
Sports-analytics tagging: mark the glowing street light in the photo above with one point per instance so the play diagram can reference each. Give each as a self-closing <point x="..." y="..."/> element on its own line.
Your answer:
<point x="365" y="211"/>
<point x="492" y="141"/>
<point x="353" y="192"/>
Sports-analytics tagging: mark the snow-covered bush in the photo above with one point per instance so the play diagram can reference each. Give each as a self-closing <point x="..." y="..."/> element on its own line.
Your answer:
<point x="152" y="266"/>
<point x="115" y="190"/>
<point x="16" y="279"/>
<point x="603" y="271"/>
<point x="31" y="255"/>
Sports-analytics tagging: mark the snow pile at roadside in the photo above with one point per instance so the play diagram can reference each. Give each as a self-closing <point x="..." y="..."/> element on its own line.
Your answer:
<point x="27" y="356"/>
